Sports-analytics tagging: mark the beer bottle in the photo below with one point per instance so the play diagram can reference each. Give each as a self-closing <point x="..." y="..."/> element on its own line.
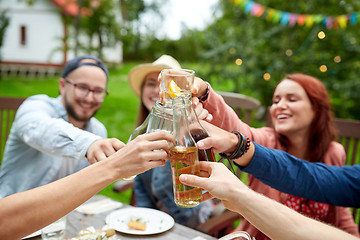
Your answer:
<point x="183" y="157"/>
<point x="160" y="118"/>
<point x="140" y="129"/>
<point x="197" y="131"/>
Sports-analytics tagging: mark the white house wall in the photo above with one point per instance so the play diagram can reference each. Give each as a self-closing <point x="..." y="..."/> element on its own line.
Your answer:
<point x="44" y="33"/>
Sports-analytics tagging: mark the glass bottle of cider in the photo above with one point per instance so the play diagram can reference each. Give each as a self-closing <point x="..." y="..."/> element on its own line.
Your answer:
<point x="197" y="131"/>
<point x="183" y="157"/>
<point x="140" y="129"/>
<point x="160" y="118"/>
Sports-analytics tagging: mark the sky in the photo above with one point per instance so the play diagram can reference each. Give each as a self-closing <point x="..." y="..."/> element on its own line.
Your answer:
<point x="195" y="14"/>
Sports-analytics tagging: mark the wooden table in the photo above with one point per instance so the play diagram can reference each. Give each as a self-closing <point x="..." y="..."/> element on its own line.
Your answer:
<point x="77" y="221"/>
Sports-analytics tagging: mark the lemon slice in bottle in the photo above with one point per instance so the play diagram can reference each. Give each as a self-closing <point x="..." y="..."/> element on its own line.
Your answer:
<point x="174" y="89"/>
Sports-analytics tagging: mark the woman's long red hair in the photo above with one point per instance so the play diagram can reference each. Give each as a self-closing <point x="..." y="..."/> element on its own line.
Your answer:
<point x="322" y="130"/>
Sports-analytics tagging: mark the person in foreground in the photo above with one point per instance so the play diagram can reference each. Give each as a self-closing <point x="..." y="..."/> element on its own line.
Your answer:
<point x="26" y="212"/>
<point x="286" y="173"/>
<point x="258" y="209"/>
<point x="153" y="188"/>
<point x="272" y="218"/>
<point x="303" y="127"/>
<point x="54" y="137"/>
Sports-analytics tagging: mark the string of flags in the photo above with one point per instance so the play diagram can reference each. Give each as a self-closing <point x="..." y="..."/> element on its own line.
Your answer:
<point x="292" y="19"/>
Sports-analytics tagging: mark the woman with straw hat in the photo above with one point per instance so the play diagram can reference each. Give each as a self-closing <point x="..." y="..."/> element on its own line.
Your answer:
<point x="143" y="80"/>
<point x="153" y="189"/>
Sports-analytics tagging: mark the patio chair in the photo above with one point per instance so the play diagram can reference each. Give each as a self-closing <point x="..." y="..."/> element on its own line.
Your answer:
<point x="8" y="108"/>
<point x="349" y="135"/>
<point x="243" y="105"/>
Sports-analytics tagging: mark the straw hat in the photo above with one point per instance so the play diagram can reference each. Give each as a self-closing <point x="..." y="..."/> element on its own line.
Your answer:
<point x="137" y="75"/>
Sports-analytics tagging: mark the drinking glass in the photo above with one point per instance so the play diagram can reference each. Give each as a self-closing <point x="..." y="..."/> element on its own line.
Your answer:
<point x="175" y="82"/>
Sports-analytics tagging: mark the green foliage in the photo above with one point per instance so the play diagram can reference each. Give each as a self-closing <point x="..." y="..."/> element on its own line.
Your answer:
<point x="263" y="45"/>
<point x="135" y="44"/>
<point x="268" y="47"/>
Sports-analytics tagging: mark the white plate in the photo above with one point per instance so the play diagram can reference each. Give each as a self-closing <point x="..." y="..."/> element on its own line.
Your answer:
<point x="156" y="221"/>
<point x="34" y="234"/>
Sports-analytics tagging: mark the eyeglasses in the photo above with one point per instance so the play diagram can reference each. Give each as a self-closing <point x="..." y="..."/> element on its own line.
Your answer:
<point x="82" y="90"/>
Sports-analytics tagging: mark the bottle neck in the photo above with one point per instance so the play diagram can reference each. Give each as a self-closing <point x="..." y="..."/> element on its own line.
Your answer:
<point x="162" y="110"/>
<point x="181" y="124"/>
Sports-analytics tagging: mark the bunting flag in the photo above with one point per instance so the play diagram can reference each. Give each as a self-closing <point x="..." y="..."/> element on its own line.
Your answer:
<point x="292" y="19"/>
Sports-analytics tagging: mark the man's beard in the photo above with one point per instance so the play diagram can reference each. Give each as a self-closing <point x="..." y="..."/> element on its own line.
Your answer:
<point x="71" y="112"/>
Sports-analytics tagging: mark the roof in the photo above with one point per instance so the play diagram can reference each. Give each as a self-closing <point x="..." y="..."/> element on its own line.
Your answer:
<point x="70" y="7"/>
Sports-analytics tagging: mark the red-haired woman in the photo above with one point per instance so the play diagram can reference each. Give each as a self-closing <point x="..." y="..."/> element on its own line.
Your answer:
<point x="303" y="127"/>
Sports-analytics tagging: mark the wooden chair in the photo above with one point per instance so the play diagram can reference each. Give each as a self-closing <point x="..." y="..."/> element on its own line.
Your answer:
<point x="8" y="108"/>
<point x="349" y="136"/>
<point x="243" y="105"/>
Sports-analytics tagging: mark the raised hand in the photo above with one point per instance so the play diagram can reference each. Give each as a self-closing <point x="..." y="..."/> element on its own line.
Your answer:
<point x="220" y="140"/>
<point x="200" y="111"/>
<point x="199" y="87"/>
<point x="218" y="181"/>
<point x="142" y="154"/>
<point x="103" y="148"/>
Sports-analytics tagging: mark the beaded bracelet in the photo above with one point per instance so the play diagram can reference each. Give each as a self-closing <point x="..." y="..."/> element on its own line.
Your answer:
<point x="204" y="97"/>
<point x="241" y="148"/>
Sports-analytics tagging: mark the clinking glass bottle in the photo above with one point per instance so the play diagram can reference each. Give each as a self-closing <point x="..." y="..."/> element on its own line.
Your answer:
<point x="197" y="131"/>
<point x="160" y="118"/>
<point x="183" y="157"/>
<point x="140" y="129"/>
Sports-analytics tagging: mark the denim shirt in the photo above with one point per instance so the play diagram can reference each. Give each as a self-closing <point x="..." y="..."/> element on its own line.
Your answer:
<point x="316" y="181"/>
<point x="40" y="139"/>
<point x="154" y="188"/>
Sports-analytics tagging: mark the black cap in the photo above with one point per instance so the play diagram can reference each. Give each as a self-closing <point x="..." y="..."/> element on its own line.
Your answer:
<point x="76" y="62"/>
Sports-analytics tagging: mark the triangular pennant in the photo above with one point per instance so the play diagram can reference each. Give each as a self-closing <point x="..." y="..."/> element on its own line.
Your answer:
<point x="292" y="19"/>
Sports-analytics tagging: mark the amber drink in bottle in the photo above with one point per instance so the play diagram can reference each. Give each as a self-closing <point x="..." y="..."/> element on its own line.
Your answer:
<point x="204" y="154"/>
<point x="197" y="131"/>
<point x="183" y="157"/>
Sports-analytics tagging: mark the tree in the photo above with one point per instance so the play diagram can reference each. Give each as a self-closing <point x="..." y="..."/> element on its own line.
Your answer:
<point x="4" y="23"/>
<point x="108" y="22"/>
<point x="137" y="43"/>
<point x="267" y="47"/>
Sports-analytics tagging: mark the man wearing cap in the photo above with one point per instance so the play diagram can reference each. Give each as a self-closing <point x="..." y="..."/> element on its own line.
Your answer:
<point x="54" y="137"/>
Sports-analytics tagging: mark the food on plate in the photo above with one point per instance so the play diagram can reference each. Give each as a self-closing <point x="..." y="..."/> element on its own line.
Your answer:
<point x="92" y="234"/>
<point x="137" y="225"/>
